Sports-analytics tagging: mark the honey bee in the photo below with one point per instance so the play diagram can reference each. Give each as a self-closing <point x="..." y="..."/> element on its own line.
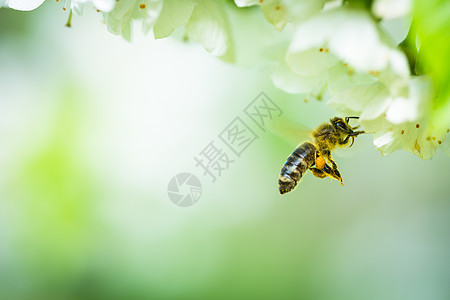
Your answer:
<point x="315" y="155"/>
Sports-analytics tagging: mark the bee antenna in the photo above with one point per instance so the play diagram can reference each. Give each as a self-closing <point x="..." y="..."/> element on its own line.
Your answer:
<point x="348" y="118"/>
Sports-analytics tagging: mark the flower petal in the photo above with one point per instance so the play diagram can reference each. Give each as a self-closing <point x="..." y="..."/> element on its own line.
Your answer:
<point x="24" y="5"/>
<point x="245" y="3"/>
<point x="209" y="25"/>
<point x="104" y="5"/>
<point x="276" y="13"/>
<point x="118" y="20"/>
<point x="310" y="62"/>
<point x="413" y="107"/>
<point x="352" y="36"/>
<point x="293" y="83"/>
<point x="369" y="100"/>
<point x="391" y="9"/>
<point x="174" y="14"/>
<point x="386" y="142"/>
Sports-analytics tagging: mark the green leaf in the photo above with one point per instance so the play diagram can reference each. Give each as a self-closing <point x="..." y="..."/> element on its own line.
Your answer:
<point x="432" y="23"/>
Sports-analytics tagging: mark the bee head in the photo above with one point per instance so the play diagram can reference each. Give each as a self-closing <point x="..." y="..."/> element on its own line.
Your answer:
<point x="341" y="125"/>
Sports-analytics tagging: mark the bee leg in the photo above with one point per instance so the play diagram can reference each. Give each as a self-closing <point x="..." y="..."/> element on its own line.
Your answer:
<point x="336" y="173"/>
<point x="326" y="171"/>
<point x="345" y="141"/>
<point x="318" y="173"/>
<point x="338" y="176"/>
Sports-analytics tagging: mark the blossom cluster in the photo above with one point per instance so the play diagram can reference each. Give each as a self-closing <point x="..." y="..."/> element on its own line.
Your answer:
<point x="343" y="51"/>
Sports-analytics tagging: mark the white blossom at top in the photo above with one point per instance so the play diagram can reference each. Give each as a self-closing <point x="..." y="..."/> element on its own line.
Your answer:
<point x="352" y="36"/>
<point x="119" y="20"/>
<point x="78" y="5"/>
<point x="205" y="21"/>
<point x="24" y="5"/>
<point x="281" y="12"/>
<point x="398" y="119"/>
<point x="101" y="5"/>
<point x="345" y="36"/>
<point x="391" y="9"/>
<point x="326" y="49"/>
<point x="210" y="26"/>
<point x="341" y="54"/>
<point x="174" y="13"/>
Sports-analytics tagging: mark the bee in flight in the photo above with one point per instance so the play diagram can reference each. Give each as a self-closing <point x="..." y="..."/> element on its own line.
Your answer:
<point x="316" y="156"/>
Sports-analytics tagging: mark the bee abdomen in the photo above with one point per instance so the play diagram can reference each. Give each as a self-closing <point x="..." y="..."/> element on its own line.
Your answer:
<point x="296" y="165"/>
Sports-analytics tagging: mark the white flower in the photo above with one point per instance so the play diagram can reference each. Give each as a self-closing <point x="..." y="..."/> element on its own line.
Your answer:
<point x="400" y="119"/>
<point x="209" y="25"/>
<point x="349" y="34"/>
<point x="78" y="5"/>
<point x="206" y="21"/>
<point x="391" y="9"/>
<point x="174" y="13"/>
<point x="291" y="82"/>
<point x="246" y="3"/>
<point x="341" y="53"/>
<point x="24" y="5"/>
<point x="101" y="5"/>
<point x="118" y="21"/>
<point x="281" y="12"/>
<point x="338" y="41"/>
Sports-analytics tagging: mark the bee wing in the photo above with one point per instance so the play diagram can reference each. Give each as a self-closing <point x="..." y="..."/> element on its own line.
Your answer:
<point x="290" y="131"/>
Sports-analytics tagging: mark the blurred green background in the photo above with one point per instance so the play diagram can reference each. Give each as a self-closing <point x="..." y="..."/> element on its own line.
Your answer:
<point x="92" y="129"/>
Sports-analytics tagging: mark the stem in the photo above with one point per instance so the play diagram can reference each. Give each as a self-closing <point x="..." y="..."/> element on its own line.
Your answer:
<point x="69" y="21"/>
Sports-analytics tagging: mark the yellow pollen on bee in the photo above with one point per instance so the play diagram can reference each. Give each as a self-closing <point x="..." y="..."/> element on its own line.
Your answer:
<point x="327" y="50"/>
<point x="142" y="6"/>
<point x="320" y="162"/>
<point x="402" y="131"/>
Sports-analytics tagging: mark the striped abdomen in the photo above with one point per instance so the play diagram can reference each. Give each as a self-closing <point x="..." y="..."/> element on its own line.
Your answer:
<point x="296" y="165"/>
